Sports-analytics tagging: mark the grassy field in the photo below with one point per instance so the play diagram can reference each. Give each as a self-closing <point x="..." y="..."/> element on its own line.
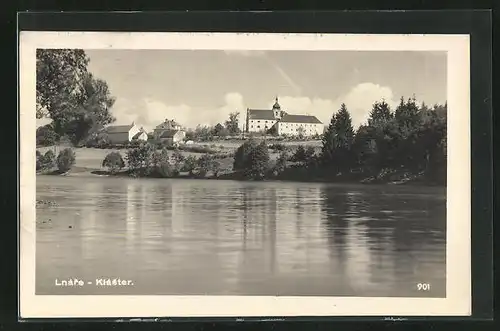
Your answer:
<point x="234" y="144"/>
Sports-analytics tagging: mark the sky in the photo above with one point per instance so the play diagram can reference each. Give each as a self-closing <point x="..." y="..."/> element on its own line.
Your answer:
<point x="204" y="86"/>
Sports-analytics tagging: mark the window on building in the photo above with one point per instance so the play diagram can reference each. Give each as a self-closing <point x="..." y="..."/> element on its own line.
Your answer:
<point x="258" y="126"/>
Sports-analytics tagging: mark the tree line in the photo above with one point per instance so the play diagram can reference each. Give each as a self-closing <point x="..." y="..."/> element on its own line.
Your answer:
<point x="407" y="142"/>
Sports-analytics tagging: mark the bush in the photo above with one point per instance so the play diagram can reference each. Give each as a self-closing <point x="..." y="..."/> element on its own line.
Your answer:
<point x="190" y="164"/>
<point x="46" y="161"/>
<point x="280" y="165"/>
<point x="215" y="167"/>
<point x="98" y="140"/>
<point x="208" y="163"/>
<point x="65" y="160"/>
<point x="139" y="159"/>
<point x="278" y="147"/>
<point x="204" y="165"/>
<point x="114" y="162"/>
<point x="302" y="154"/>
<point x="242" y="153"/>
<point x="161" y="164"/>
<point x="46" y="136"/>
<point x="257" y="162"/>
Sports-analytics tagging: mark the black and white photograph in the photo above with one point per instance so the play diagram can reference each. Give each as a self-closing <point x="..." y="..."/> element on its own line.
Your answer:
<point x="248" y="166"/>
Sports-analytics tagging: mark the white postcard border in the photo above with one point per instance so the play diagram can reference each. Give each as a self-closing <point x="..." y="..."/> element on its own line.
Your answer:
<point x="458" y="288"/>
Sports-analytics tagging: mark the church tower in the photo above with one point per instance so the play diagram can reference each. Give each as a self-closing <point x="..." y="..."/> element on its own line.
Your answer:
<point x="277" y="109"/>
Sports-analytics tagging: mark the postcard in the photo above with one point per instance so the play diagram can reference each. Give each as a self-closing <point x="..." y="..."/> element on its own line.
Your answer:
<point x="244" y="175"/>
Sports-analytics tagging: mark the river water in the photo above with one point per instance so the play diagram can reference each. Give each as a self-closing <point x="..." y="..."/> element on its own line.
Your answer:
<point x="192" y="237"/>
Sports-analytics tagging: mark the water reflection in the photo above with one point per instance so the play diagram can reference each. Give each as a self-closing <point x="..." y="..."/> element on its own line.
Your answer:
<point x="205" y="237"/>
<point x="385" y="242"/>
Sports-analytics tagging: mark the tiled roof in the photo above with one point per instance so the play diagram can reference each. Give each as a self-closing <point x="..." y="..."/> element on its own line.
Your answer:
<point x="119" y="128"/>
<point x="167" y="125"/>
<point x="260" y="114"/>
<point x="137" y="135"/>
<point x="300" y="119"/>
<point x="169" y="133"/>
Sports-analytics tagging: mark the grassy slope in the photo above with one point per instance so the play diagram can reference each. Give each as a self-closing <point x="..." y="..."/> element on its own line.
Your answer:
<point x="89" y="159"/>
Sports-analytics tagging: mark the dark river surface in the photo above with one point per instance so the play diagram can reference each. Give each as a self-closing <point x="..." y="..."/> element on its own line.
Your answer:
<point x="193" y="237"/>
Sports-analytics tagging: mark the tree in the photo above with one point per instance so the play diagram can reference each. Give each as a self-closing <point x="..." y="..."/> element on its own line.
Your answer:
<point x="242" y="153"/>
<point x="257" y="163"/>
<point x="139" y="159"/>
<point x="380" y="114"/>
<point x="46" y="161"/>
<point x="344" y="139"/>
<point x="70" y="95"/>
<point x="215" y="167"/>
<point x="46" y="136"/>
<point x="176" y="162"/>
<point x="58" y="79"/>
<point x="190" y="164"/>
<point x="232" y="124"/>
<point x="303" y="154"/>
<point x="329" y="143"/>
<point x="219" y="130"/>
<point x="65" y="160"/>
<point x="365" y="148"/>
<point x="376" y="144"/>
<point x="407" y="116"/>
<point x="161" y="164"/>
<point x="408" y="121"/>
<point x="281" y="163"/>
<point x="205" y="164"/>
<point x="114" y="162"/>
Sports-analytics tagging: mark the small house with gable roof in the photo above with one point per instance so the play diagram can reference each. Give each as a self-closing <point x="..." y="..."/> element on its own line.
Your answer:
<point x="172" y="136"/>
<point x="122" y="134"/>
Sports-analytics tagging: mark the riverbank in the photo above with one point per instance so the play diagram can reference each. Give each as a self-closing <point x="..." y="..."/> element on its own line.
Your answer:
<point x="89" y="163"/>
<point x="397" y="179"/>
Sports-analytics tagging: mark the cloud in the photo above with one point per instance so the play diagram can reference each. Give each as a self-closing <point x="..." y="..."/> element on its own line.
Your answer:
<point x="359" y="100"/>
<point x="245" y="52"/>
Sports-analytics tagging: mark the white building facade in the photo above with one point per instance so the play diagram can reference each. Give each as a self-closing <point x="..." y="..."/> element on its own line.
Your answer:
<point x="295" y="125"/>
<point x="279" y="122"/>
<point x="121" y="134"/>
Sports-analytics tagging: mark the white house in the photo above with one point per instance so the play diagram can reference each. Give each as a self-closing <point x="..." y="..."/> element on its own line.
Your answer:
<point x="172" y="137"/>
<point x="121" y="134"/>
<point x="141" y="135"/>
<point x="165" y="126"/>
<point x="263" y="120"/>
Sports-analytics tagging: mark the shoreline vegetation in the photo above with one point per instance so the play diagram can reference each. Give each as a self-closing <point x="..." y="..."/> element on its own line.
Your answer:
<point x="377" y="153"/>
<point x="405" y="145"/>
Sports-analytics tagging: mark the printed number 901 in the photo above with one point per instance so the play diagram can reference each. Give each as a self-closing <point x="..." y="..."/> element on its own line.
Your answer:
<point x="423" y="286"/>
